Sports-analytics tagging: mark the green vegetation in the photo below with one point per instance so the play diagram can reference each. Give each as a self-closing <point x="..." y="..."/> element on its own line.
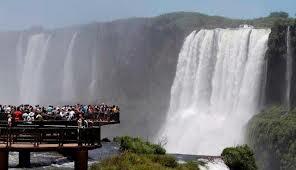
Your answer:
<point x="239" y="158"/>
<point x="272" y="135"/>
<point x="137" y="145"/>
<point x="132" y="161"/>
<point x="140" y="155"/>
<point x="280" y="14"/>
<point x="189" y="21"/>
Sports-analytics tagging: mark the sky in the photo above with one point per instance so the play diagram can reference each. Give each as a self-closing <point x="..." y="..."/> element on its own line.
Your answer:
<point x="22" y="14"/>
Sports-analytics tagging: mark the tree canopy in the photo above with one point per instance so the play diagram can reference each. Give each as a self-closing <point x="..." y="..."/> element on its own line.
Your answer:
<point x="279" y="14"/>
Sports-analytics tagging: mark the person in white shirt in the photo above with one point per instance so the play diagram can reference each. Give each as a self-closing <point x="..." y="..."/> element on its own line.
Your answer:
<point x="71" y="115"/>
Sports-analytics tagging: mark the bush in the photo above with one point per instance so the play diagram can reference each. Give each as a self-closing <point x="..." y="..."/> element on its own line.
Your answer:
<point x="137" y="145"/>
<point x="164" y="160"/>
<point x="239" y="158"/>
<point x="272" y="135"/>
<point x="158" y="149"/>
<point x="132" y="161"/>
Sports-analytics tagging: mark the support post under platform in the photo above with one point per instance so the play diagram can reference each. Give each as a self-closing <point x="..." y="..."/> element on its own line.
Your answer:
<point x="4" y="160"/>
<point x="24" y="159"/>
<point x="81" y="160"/>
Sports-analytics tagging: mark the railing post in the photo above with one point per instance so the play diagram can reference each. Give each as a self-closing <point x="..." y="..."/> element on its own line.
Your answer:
<point x="4" y="160"/>
<point x="81" y="159"/>
<point x="7" y="137"/>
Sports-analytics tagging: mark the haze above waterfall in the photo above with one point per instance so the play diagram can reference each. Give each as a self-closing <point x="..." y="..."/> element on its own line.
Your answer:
<point x="216" y="89"/>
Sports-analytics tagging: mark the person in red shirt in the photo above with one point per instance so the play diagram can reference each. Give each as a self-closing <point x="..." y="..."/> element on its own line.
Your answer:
<point x="18" y="115"/>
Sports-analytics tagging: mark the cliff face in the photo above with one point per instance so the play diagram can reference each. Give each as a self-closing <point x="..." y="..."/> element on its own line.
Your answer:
<point x="276" y="83"/>
<point x="293" y="52"/>
<point x="276" y="67"/>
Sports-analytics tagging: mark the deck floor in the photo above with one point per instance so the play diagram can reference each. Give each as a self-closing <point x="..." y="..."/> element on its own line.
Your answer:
<point x="45" y="147"/>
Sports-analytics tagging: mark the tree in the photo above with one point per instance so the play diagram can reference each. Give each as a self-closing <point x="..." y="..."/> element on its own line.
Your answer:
<point x="279" y="14"/>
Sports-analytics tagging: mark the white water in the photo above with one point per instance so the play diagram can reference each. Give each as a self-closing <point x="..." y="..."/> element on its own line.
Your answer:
<point x="93" y="87"/>
<point x="54" y="70"/>
<point x="216" y="90"/>
<point x="19" y="55"/>
<point x="33" y="64"/>
<point x="217" y="164"/>
<point x="68" y="78"/>
<point x="289" y="69"/>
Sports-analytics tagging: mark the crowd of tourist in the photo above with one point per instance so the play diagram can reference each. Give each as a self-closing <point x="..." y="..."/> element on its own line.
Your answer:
<point x="78" y="112"/>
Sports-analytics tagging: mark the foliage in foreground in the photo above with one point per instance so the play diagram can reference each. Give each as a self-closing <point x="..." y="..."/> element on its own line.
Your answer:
<point x="272" y="135"/>
<point x="138" y="154"/>
<point x="137" y="145"/>
<point x="239" y="158"/>
<point x="132" y="161"/>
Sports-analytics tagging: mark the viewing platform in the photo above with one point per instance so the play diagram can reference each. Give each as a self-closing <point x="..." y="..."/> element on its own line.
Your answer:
<point x="50" y="136"/>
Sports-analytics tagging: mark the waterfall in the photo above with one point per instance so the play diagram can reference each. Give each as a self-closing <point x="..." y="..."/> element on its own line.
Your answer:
<point x="216" y="89"/>
<point x="289" y="65"/>
<point x="93" y="87"/>
<point x="19" y="55"/>
<point x="68" y="89"/>
<point x="33" y="63"/>
<point x="20" y="61"/>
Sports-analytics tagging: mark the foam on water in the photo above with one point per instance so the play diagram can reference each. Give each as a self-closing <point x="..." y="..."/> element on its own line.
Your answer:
<point x="216" y="164"/>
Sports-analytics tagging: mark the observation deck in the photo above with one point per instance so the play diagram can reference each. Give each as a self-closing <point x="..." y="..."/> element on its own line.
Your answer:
<point x="50" y="136"/>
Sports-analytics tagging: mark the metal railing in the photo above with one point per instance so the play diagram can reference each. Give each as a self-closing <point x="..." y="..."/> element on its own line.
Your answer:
<point x="50" y="134"/>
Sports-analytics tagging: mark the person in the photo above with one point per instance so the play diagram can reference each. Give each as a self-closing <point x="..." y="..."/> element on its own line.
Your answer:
<point x="71" y="114"/>
<point x="30" y="119"/>
<point x="80" y="121"/>
<point x="31" y="115"/>
<point x="39" y="117"/>
<point x="80" y="126"/>
<point x="8" y="109"/>
<point x="18" y="115"/>
<point x="9" y="121"/>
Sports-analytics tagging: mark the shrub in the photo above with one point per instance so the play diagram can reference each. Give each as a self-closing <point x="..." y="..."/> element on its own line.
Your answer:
<point x="164" y="160"/>
<point x="137" y="145"/>
<point x="158" y="149"/>
<point x="239" y="158"/>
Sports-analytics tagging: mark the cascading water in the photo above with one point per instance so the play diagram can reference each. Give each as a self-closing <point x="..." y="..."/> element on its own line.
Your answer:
<point x="19" y="55"/>
<point x="289" y="65"/>
<point x="216" y="164"/>
<point x="34" y="61"/>
<point x="68" y="90"/>
<point x="93" y="87"/>
<point x="216" y="89"/>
